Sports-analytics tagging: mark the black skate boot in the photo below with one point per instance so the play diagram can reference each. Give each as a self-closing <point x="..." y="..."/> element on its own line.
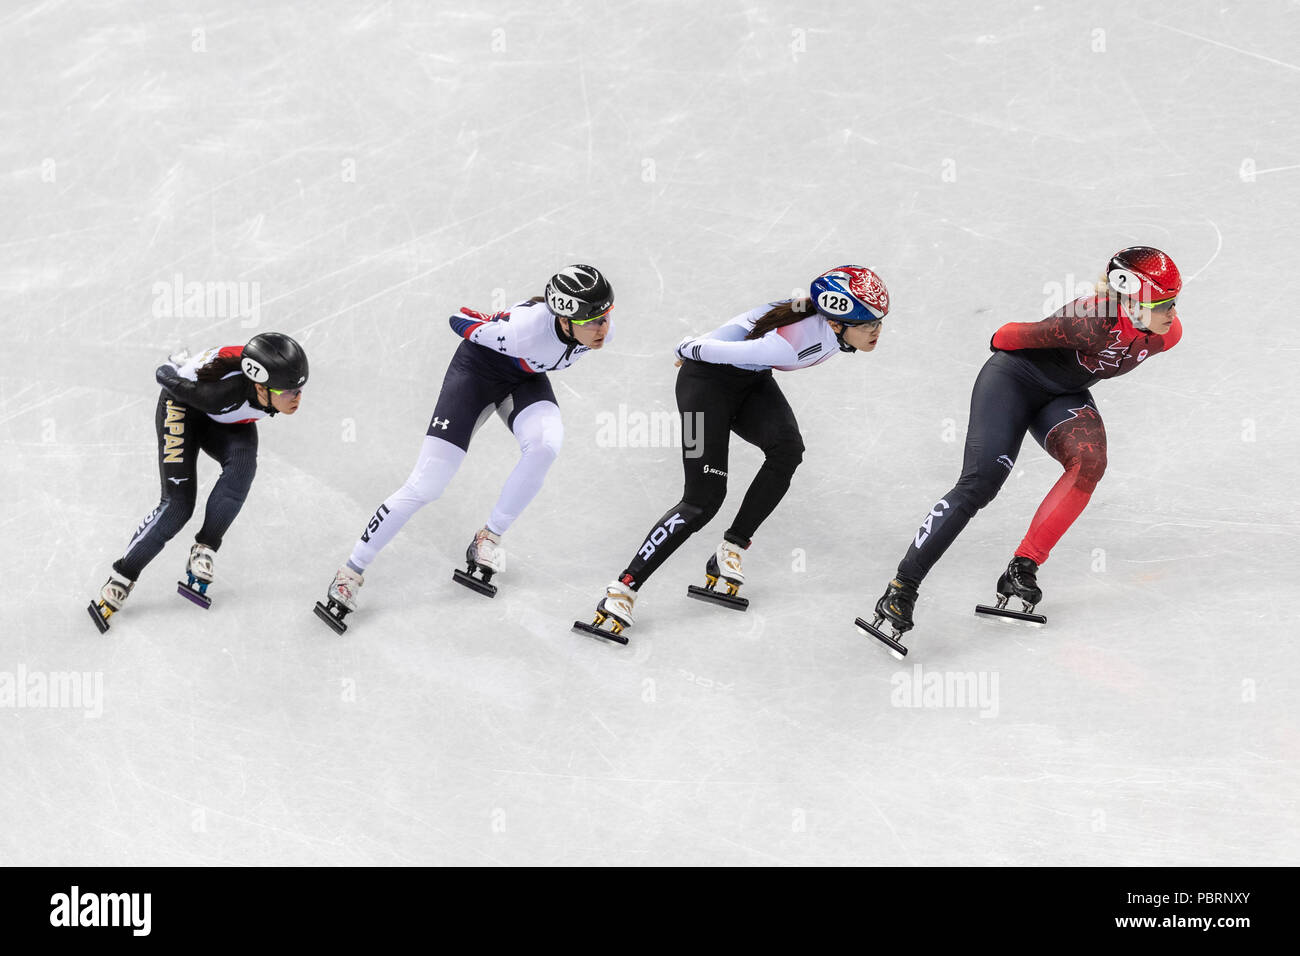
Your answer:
<point x="894" y="606"/>
<point x="1018" y="581"/>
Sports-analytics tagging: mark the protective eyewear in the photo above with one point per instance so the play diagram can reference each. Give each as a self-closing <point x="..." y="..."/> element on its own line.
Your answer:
<point x="599" y="319"/>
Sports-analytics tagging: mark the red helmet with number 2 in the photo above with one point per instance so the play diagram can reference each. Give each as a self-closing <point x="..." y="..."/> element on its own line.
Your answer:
<point x="1145" y="273"/>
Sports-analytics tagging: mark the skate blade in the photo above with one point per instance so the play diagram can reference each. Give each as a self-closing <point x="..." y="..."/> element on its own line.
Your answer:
<point x="336" y="623"/>
<point x="202" y="600"/>
<point x="100" y="620"/>
<point x="473" y="583"/>
<point x="717" y="597"/>
<point x="585" y="628"/>
<point x="895" y="648"/>
<point x="1006" y="614"/>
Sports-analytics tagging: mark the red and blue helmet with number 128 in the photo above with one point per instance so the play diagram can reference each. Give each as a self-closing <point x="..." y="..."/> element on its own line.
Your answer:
<point x="1145" y="273"/>
<point x="852" y="295"/>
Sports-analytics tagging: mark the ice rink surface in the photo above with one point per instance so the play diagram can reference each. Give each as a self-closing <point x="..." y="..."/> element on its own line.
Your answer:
<point x="365" y="169"/>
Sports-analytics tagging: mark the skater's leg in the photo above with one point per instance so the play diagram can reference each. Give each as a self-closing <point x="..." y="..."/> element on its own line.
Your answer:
<point x="235" y="448"/>
<point x="1003" y="404"/>
<point x="464" y="403"/>
<point x="540" y="432"/>
<point x="706" y="398"/>
<point x="765" y="419"/>
<point x="438" y="462"/>
<point x="1071" y="430"/>
<point x="179" y="432"/>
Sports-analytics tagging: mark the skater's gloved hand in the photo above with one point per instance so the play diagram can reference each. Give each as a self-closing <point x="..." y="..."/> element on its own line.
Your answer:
<point x="681" y="349"/>
<point x="483" y="316"/>
<point x="178" y="359"/>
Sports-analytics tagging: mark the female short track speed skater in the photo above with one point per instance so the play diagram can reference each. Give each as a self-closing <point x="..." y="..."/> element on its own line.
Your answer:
<point x="209" y="403"/>
<point x="725" y="385"/>
<point x="502" y="365"/>
<point x="1037" y="381"/>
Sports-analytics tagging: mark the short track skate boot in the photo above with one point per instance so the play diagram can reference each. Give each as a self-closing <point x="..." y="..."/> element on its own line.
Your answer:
<point x="1020" y="581"/>
<point x="615" y="608"/>
<point x="483" y="558"/>
<point x="198" y="575"/>
<point x="341" y="599"/>
<point x="894" y="606"/>
<point x="111" y="598"/>
<point x="723" y="565"/>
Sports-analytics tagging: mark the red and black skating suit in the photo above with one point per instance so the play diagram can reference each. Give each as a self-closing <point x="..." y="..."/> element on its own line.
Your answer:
<point x="207" y="405"/>
<point x="1037" y="381"/>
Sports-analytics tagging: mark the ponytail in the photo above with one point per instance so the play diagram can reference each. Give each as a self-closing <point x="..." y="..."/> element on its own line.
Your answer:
<point x="781" y="314"/>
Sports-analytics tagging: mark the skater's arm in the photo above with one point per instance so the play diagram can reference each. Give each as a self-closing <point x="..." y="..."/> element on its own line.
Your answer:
<point x="770" y="350"/>
<point x="1081" y="329"/>
<point x="495" y="332"/>
<point x="205" y="396"/>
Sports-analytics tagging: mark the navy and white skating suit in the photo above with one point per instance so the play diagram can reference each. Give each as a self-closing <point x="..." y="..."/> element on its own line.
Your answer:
<point x="500" y="367"/>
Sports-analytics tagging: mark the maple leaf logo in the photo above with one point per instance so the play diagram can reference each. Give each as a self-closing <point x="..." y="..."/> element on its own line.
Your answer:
<point x="1109" y="357"/>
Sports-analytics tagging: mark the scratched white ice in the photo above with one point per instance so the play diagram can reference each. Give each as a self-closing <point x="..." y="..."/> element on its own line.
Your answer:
<point x="362" y="171"/>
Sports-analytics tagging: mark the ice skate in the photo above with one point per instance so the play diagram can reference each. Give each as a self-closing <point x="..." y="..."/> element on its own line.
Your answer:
<point x="198" y="574"/>
<point x="615" y="608"/>
<point x="894" y="606"/>
<point x="341" y="599"/>
<point x="1018" y="581"/>
<point x="484" y="556"/>
<point x="723" y="565"/>
<point x="111" y="598"/>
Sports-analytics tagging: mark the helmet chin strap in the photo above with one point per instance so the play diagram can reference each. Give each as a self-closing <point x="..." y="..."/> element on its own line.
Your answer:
<point x="839" y="337"/>
<point x="567" y="337"/>
<point x="269" y="407"/>
<point x="1134" y="309"/>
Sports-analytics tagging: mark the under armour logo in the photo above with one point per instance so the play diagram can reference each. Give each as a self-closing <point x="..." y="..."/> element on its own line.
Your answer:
<point x="440" y="423"/>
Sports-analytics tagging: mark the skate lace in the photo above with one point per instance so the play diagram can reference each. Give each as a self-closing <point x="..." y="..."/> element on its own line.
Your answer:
<point x="619" y="600"/>
<point x="201" y="561"/>
<point x="484" y="547"/>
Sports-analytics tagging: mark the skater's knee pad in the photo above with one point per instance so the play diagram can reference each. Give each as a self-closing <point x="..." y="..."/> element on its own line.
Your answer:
<point x="699" y="509"/>
<point x="545" y="445"/>
<point x="179" y="507"/>
<point x="1088" y="469"/>
<point x="977" y="488"/>
<point x="539" y="430"/>
<point x="1079" y="444"/>
<point x="786" y="454"/>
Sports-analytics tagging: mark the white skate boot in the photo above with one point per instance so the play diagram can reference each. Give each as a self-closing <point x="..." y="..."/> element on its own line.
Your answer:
<point x="198" y="572"/>
<point x="616" y="608"/>
<point x="111" y="598"/>
<point x="342" y="598"/>
<point x="485" y="556"/>
<point x="723" y="565"/>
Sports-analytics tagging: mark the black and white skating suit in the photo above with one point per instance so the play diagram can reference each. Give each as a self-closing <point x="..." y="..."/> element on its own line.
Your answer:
<point x="726" y="385"/>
